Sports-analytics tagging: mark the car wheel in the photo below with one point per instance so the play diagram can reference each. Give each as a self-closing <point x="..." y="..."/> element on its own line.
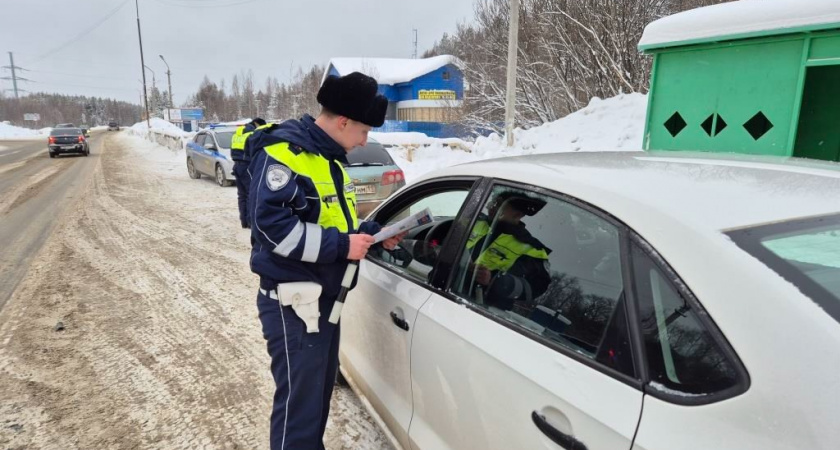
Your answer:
<point x="191" y="170"/>
<point x="220" y="176"/>
<point x="52" y="155"/>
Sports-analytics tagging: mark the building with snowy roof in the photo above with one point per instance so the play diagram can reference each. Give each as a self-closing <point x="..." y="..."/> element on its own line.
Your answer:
<point x="750" y="76"/>
<point x="423" y="94"/>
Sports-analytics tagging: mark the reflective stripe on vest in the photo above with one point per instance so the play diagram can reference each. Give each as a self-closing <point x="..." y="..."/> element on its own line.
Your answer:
<point x="317" y="168"/>
<point x="504" y="251"/>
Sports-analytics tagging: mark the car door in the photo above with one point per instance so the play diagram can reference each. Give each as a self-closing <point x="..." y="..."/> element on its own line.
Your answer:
<point x="211" y="154"/>
<point x="379" y="314"/>
<point x="537" y="354"/>
<point x="196" y="152"/>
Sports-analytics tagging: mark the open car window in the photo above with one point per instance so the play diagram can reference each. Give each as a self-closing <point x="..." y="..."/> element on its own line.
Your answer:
<point x="418" y="252"/>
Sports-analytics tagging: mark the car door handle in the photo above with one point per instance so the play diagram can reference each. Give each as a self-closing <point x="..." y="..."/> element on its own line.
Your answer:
<point x="560" y="438"/>
<point x="398" y="321"/>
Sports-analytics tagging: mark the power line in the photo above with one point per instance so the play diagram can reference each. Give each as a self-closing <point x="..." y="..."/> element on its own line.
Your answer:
<point x="71" y="74"/>
<point x="84" y="32"/>
<point x="103" y="88"/>
<point x="204" y="3"/>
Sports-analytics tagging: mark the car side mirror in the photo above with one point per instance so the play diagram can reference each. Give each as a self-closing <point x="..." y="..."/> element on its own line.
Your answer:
<point x="210" y="146"/>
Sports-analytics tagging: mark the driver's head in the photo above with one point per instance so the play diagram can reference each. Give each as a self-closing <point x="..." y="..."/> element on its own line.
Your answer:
<point x="512" y="206"/>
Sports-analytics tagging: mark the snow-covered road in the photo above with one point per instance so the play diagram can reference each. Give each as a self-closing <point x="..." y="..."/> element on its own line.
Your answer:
<point x="161" y="346"/>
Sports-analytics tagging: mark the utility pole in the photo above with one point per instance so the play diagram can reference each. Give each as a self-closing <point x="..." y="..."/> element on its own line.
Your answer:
<point x="142" y="66"/>
<point x="14" y="78"/>
<point x="513" y="50"/>
<point x="414" y="55"/>
<point x="169" y="80"/>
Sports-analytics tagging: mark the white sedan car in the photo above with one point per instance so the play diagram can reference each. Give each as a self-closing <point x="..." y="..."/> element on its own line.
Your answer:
<point x="652" y="301"/>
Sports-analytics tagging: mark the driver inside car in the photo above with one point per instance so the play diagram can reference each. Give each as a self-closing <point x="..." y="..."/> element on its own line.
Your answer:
<point x="508" y="264"/>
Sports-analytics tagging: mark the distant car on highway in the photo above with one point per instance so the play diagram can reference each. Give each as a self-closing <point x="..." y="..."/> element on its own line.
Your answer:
<point x="67" y="140"/>
<point x="113" y="126"/>
<point x="375" y="175"/>
<point x="209" y="154"/>
<point x="65" y="125"/>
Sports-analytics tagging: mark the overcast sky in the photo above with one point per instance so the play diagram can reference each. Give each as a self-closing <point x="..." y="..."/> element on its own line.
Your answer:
<point x="89" y="47"/>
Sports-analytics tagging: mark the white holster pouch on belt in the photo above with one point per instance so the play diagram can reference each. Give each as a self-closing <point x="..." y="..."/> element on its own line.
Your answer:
<point x="302" y="296"/>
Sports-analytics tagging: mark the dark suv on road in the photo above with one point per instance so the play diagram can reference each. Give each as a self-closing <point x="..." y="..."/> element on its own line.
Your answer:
<point x="113" y="126"/>
<point x="68" y="140"/>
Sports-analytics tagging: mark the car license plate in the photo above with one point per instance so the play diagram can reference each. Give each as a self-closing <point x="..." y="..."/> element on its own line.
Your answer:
<point x="68" y="147"/>
<point x="366" y="189"/>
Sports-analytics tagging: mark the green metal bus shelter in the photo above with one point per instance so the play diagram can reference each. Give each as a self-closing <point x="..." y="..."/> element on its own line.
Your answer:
<point x="755" y="77"/>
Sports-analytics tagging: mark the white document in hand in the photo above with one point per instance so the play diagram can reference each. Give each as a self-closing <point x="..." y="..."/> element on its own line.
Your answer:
<point x="415" y="220"/>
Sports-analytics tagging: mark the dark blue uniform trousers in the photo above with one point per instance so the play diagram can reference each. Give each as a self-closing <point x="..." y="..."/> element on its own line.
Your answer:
<point x="304" y="367"/>
<point x="243" y="184"/>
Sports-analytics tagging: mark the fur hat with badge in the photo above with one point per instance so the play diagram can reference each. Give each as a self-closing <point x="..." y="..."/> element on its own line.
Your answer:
<point x="354" y="96"/>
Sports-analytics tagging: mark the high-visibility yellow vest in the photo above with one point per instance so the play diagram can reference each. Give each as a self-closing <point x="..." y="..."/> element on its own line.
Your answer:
<point x="503" y="252"/>
<point x="317" y="168"/>
<point x="237" y="141"/>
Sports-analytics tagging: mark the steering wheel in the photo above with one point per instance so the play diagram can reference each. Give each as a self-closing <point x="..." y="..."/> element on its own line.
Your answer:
<point x="427" y="250"/>
<point x="434" y="238"/>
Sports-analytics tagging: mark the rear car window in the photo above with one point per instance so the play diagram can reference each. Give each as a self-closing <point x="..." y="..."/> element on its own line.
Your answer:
<point x="804" y="252"/>
<point x="65" y="131"/>
<point x="370" y="154"/>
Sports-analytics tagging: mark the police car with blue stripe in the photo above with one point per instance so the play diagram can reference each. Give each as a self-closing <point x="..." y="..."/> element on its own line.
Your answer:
<point x="208" y="153"/>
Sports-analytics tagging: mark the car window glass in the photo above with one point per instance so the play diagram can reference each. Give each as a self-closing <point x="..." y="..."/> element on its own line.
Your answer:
<point x="546" y="266"/>
<point x="682" y="355"/>
<point x="417" y="254"/>
<point x="224" y="138"/>
<point x="199" y="140"/>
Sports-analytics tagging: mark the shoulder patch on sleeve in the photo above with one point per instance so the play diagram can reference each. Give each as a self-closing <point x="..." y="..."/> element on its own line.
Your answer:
<point x="277" y="176"/>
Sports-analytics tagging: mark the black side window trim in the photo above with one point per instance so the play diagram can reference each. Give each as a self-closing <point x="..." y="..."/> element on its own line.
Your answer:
<point x="702" y="316"/>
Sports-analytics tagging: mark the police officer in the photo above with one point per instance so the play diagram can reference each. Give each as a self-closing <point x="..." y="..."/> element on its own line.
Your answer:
<point x="304" y="231"/>
<point x="240" y="166"/>
<point x="510" y="264"/>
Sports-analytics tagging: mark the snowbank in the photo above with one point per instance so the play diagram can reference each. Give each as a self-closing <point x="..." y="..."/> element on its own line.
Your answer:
<point x="162" y="132"/>
<point x="8" y="131"/>
<point x="158" y="126"/>
<point x="613" y="124"/>
<point x="415" y="138"/>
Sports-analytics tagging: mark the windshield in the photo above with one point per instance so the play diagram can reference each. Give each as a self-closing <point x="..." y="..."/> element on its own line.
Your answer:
<point x="805" y="253"/>
<point x="224" y="138"/>
<point x="372" y="154"/>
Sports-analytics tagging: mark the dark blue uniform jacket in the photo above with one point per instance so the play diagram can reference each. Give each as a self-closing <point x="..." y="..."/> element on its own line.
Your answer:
<point x="277" y="214"/>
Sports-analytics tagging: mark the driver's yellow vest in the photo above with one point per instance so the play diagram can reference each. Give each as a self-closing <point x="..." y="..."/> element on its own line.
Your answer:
<point x="317" y="168"/>
<point x="503" y="252"/>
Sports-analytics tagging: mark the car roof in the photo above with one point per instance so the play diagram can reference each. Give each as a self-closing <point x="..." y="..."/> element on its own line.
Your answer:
<point x="220" y="129"/>
<point x="705" y="192"/>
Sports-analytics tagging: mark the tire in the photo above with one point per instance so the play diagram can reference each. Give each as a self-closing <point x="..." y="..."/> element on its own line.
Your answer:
<point x="194" y="174"/>
<point x="52" y="155"/>
<point x="220" y="176"/>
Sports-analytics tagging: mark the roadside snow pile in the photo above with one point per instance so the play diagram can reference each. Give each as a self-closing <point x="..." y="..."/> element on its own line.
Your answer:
<point x="415" y="138"/>
<point x="158" y="126"/>
<point x="163" y="133"/>
<point x="8" y="131"/>
<point x="616" y="123"/>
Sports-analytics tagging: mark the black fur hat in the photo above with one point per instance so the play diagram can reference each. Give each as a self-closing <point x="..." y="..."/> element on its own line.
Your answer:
<point x="354" y="96"/>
